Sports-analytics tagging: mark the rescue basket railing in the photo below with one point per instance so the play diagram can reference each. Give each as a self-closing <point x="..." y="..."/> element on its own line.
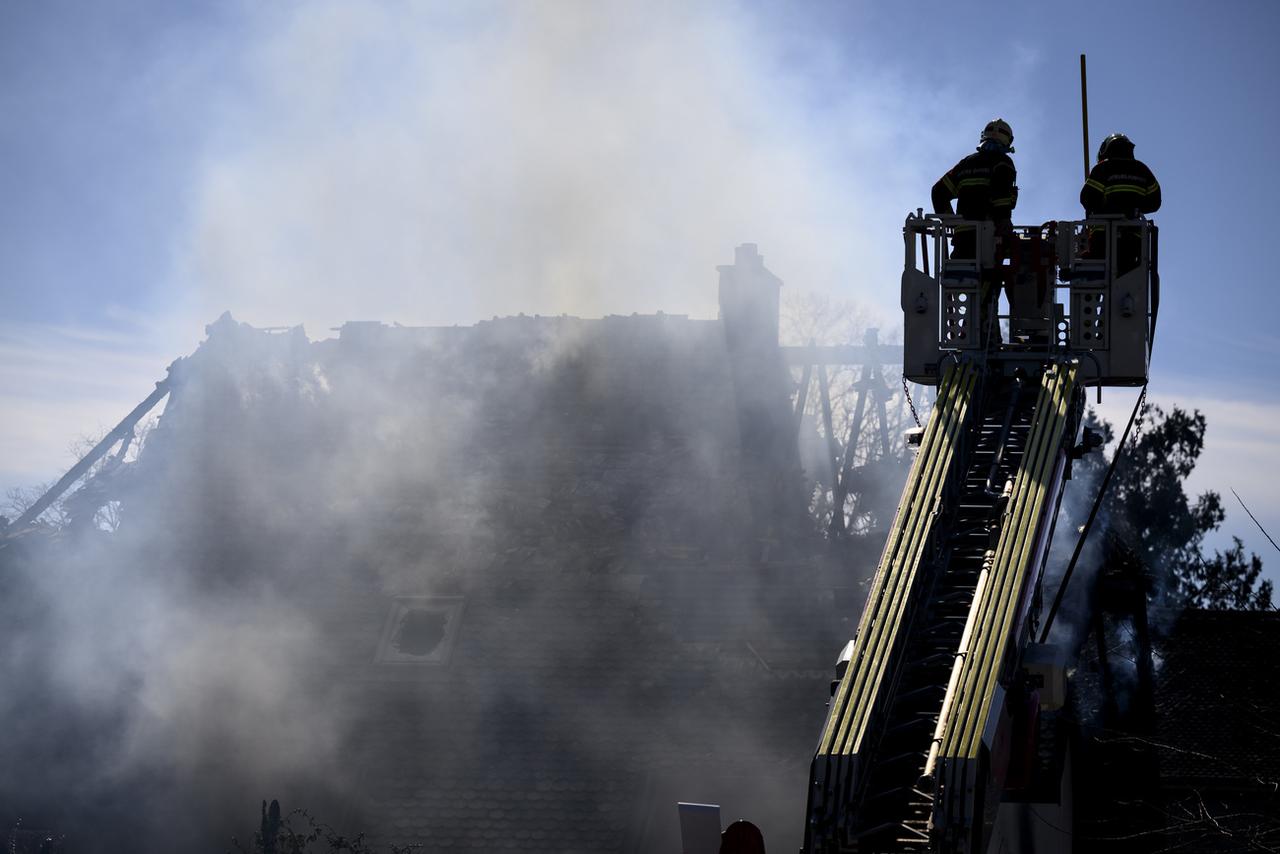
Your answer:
<point x="1086" y="287"/>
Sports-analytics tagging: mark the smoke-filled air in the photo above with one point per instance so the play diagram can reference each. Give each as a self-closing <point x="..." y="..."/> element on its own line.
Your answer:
<point x="496" y="423"/>
<point x="464" y="587"/>
<point x="446" y="162"/>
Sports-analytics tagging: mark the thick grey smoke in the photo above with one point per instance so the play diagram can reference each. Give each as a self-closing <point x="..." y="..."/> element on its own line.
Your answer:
<point x="581" y="485"/>
<point x="441" y="163"/>
<point x="438" y="163"/>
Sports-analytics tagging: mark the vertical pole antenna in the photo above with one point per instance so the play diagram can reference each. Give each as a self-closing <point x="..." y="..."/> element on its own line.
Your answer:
<point x="1084" y="115"/>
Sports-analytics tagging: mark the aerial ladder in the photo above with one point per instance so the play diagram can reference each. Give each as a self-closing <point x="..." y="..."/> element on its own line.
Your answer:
<point x="933" y="719"/>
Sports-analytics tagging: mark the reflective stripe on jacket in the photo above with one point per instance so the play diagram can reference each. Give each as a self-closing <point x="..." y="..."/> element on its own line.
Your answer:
<point x="1121" y="186"/>
<point x="983" y="185"/>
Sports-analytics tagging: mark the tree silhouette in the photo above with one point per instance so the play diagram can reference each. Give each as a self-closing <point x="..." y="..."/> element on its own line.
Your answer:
<point x="1228" y="580"/>
<point x="1149" y="511"/>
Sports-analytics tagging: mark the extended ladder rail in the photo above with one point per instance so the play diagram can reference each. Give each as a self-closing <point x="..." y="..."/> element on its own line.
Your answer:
<point x="996" y="627"/>
<point x="859" y="800"/>
<point x="895" y="589"/>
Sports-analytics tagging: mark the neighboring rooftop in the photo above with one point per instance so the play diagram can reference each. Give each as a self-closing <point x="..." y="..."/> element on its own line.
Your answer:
<point x="1218" y="700"/>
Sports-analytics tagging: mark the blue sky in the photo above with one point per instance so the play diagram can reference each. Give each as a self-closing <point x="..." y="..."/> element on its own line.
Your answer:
<point x="442" y="163"/>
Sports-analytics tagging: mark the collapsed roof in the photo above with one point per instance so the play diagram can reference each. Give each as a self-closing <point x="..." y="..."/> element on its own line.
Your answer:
<point x="521" y="584"/>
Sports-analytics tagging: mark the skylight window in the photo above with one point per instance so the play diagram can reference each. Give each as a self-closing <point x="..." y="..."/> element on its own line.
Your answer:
<point x="420" y="630"/>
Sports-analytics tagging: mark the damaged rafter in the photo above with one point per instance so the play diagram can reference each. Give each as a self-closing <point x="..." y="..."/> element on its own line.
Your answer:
<point x="122" y="432"/>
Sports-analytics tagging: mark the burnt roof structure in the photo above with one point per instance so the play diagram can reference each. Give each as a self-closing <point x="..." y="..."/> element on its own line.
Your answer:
<point x="518" y="585"/>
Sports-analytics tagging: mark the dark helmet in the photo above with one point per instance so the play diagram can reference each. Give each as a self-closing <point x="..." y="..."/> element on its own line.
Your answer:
<point x="1116" y="145"/>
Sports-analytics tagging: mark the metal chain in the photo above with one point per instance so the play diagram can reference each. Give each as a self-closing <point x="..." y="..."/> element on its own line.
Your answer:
<point x="910" y="402"/>
<point x="1138" y="419"/>
<point x="1137" y="425"/>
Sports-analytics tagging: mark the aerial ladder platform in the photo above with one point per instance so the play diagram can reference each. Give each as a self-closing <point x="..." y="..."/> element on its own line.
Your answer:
<point x="935" y="715"/>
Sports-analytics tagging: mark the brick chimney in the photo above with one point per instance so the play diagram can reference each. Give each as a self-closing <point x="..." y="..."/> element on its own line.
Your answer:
<point x="749" y="296"/>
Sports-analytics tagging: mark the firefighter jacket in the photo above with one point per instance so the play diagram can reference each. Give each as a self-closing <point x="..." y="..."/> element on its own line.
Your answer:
<point x="983" y="185"/>
<point x="1120" y="186"/>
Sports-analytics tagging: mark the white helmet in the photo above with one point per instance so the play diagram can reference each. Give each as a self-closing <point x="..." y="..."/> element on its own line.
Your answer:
<point x="998" y="130"/>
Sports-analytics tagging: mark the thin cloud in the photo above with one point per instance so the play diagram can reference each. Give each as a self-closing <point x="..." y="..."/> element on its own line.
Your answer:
<point x="1240" y="439"/>
<point x="59" y="384"/>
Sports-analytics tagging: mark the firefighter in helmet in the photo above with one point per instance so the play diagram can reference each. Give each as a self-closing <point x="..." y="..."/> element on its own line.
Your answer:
<point x="1123" y="185"/>
<point x="983" y="185"/>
